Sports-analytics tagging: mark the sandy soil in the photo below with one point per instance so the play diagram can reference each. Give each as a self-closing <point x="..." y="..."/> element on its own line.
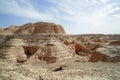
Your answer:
<point x="70" y="71"/>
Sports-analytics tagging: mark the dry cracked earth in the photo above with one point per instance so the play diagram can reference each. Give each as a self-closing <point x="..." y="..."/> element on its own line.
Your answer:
<point x="43" y="51"/>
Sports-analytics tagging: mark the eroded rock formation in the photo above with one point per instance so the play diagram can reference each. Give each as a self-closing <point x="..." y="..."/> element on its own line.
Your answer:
<point x="34" y="28"/>
<point x="27" y="43"/>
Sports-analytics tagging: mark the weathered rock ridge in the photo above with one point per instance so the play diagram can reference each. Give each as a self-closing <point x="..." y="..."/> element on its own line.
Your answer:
<point x="28" y="44"/>
<point x="34" y="28"/>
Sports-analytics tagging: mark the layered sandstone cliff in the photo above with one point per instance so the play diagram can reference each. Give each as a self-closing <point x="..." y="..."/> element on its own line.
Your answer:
<point x="34" y="28"/>
<point x="51" y="46"/>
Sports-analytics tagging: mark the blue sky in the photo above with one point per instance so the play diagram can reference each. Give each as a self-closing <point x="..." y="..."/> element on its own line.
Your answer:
<point x="77" y="16"/>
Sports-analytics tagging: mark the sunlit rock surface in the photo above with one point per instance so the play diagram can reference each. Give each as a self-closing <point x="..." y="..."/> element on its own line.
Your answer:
<point x="43" y="51"/>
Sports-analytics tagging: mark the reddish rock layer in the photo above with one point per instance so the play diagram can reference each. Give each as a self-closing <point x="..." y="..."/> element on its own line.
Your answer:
<point x="40" y="27"/>
<point x="85" y="51"/>
<point x="79" y="48"/>
<point x="96" y="56"/>
<point x="30" y="50"/>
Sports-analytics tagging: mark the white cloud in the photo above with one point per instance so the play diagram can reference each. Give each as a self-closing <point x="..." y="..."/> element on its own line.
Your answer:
<point x="98" y="1"/>
<point x="15" y="8"/>
<point x="79" y="11"/>
<point x="88" y="16"/>
<point x="104" y="1"/>
<point x="79" y="16"/>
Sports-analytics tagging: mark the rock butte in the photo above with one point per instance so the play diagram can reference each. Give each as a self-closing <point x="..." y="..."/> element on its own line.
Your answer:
<point x="48" y="42"/>
<point x="35" y="28"/>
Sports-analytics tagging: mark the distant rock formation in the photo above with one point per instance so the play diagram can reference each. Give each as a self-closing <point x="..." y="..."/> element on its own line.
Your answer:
<point x="47" y="42"/>
<point x="35" y="28"/>
<point x="10" y="30"/>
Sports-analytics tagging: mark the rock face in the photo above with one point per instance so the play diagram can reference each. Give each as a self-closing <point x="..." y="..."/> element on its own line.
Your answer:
<point x="48" y="28"/>
<point x="1" y="30"/>
<point x="115" y="42"/>
<point x="34" y="28"/>
<point x="40" y="27"/>
<point x="43" y="41"/>
<point x="89" y="55"/>
<point x="10" y="30"/>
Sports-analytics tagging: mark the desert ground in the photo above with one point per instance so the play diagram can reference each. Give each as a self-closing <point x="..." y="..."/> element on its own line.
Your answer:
<point x="70" y="71"/>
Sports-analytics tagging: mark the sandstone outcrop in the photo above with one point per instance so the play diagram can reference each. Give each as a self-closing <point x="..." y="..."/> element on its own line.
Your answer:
<point x="87" y="53"/>
<point x="43" y="41"/>
<point x="10" y="30"/>
<point x="40" y="27"/>
<point x="34" y="28"/>
<point x="50" y="50"/>
<point x="48" y="28"/>
<point x="115" y="42"/>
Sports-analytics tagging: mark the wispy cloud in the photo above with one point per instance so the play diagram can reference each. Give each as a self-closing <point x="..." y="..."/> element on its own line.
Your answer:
<point x="79" y="16"/>
<point x="89" y="16"/>
<point x="22" y="8"/>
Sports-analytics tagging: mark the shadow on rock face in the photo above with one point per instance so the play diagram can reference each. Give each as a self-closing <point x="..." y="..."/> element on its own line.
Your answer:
<point x="30" y="50"/>
<point x="117" y="42"/>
